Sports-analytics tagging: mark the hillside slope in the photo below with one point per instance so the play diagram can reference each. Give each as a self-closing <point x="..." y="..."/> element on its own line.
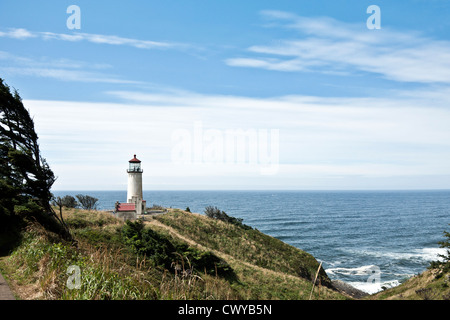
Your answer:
<point x="176" y="255"/>
<point x="429" y="285"/>
<point x="274" y="268"/>
<point x="250" y="247"/>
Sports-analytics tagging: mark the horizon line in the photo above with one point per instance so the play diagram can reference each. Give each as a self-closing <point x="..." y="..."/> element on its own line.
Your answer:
<point x="268" y="190"/>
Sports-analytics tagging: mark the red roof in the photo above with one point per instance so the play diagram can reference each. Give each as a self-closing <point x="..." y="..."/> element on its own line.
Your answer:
<point x="126" y="207"/>
<point x="135" y="160"/>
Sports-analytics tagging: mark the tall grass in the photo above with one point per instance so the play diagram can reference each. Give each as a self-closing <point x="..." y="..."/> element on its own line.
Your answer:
<point x="108" y="271"/>
<point x="111" y="270"/>
<point x="248" y="245"/>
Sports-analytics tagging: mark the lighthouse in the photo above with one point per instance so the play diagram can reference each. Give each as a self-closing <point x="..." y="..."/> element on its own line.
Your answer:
<point x="134" y="170"/>
<point x="135" y="204"/>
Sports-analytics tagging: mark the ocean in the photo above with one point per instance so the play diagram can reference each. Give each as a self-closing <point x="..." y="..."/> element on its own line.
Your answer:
<point x="369" y="239"/>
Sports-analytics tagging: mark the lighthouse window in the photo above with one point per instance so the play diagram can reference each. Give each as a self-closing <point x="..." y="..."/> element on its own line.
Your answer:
<point x="135" y="166"/>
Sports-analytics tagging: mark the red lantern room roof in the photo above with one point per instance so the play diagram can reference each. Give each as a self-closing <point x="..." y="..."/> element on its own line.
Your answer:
<point x="135" y="160"/>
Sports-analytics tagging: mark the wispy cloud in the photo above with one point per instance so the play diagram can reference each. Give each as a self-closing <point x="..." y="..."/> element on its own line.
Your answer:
<point x="69" y="70"/>
<point x="59" y="69"/>
<point x="17" y="33"/>
<point x="325" y="139"/>
<point x="22" y="34"/>
<point x="325" y="44"/>
<point x="67" y="75"/>
<point x="108" y="39"/>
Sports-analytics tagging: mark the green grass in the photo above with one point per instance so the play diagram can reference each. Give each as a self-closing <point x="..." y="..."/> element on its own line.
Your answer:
<point x="117" y="264"/>
<point x="248" y="245"/>
<point x="425" y="286"/>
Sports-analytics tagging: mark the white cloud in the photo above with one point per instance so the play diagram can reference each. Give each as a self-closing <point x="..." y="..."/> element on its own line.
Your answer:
<point x="19" y="33"/>
<point x="333" y="141"/>
<point x="60" y="69"/>
<point x="107" y="39"/>
<point x="67" y="75"/>
<point x="325" y="44"/>
<point x="69" y="70"/>
<point x="269" y="64"/>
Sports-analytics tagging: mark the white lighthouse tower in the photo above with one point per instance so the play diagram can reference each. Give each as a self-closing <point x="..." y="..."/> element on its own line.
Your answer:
<point x="134" y="191"/>
<point x="135" y="204"/>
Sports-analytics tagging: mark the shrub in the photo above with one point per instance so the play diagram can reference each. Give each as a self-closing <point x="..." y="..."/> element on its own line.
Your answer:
<point x="87" y="202"/>
<point x="426" y="293"/>
<point x="69" y="202"/>
<point x="164" y="252"/>
<point x="66" y="201"/>
<point x="205" y="261"/>
<point x="444" y="265"/>
<point x="145" y="241"/>
<point x="216" y="213"/>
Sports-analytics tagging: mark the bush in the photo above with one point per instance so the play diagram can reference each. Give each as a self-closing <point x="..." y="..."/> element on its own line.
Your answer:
<point x="69" y="202"/>
<point x="87" y="202"/>
<point x="205" y="262"/>
<point x="444" y="265"/>
<point x="145" y="241"/>
<point x="31" y="211"/>
<point x="426" y="293"/>
<point x="164" y="252"/>
<point x="216" y="213"/>
<point x="66" y="201"/>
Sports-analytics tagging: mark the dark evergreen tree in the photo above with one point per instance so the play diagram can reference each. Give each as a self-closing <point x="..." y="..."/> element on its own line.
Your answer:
<point x="25" y="176"/>
<point x="443" y="265"/>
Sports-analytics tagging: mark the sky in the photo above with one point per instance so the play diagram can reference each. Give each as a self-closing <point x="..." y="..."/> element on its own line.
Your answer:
<point x="251" y="95"/>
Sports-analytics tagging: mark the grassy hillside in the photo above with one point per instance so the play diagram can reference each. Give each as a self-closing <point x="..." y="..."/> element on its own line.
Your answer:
<point x="429" y="285"/>
<point x="177" y="255"/>
<point x="249" y="247"/>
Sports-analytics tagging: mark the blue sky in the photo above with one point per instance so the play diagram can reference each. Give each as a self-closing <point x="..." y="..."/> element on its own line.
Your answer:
<point x="323" y="101"/>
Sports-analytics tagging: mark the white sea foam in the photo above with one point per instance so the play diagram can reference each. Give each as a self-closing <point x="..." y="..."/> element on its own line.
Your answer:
<point x="367" y="286"/>
<point x="373" y="274"/>
<point x="359" y="271"/>
<point x="431" y="254"/>
<point x="425" y="254"/>
<point x="372" y="288"/>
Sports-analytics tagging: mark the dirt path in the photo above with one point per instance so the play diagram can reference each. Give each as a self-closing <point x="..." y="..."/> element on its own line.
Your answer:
<point x="5" y="292"/>
<point x="220" y="254"/>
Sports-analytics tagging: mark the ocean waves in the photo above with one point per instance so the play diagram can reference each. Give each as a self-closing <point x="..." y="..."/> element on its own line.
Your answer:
<point x="352" y="233"/>
<point x="390" y="268"/>
<point x="372" y="288"/>
<point x="365" y="278"/>
<point x="419" y="255"/>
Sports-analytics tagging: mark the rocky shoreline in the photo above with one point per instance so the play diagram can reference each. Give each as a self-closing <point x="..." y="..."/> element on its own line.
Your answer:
<point x="348" y="290"/>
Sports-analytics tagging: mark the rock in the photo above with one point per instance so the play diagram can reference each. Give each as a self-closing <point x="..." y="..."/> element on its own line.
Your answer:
<point x="348" y="289"/>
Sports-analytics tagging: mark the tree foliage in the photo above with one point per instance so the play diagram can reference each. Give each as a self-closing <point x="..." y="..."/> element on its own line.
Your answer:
<point x="87" y="202"/>
<point x="69" y="202"/>
<point x="443" y="265"/>
<point x="25" y="176"/>
<point x="216" y="213"/>
<point x="66" y="201"/>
